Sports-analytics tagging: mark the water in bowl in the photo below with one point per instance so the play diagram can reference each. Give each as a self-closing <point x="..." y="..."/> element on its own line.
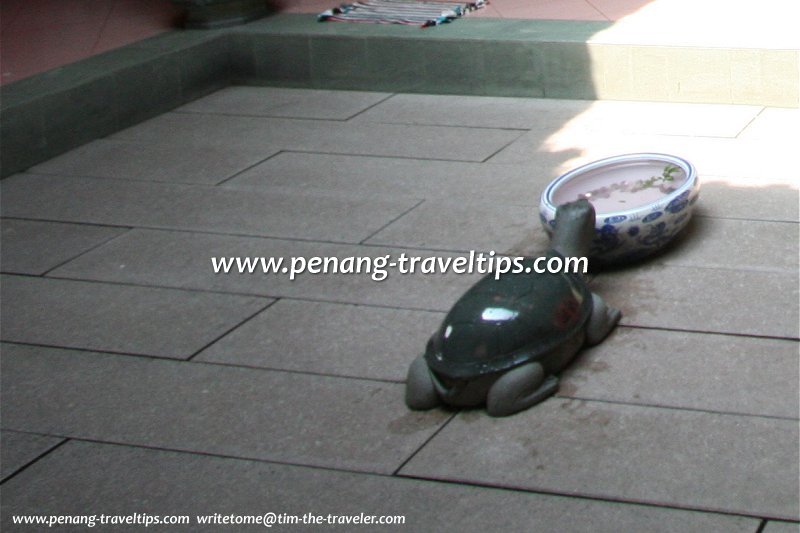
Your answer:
<point x="622" y="186"/>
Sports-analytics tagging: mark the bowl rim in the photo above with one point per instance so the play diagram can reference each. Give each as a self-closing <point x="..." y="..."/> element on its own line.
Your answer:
<point x="688" y="184"/>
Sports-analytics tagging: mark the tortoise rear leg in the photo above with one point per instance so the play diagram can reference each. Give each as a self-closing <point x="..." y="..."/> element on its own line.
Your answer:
<point x="518" y="389"/>
<point x="420" y="390"/>
<point x="602" y="321"/>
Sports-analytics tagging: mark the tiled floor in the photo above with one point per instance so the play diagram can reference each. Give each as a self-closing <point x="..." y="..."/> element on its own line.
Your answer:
<point x="135" y="380"/>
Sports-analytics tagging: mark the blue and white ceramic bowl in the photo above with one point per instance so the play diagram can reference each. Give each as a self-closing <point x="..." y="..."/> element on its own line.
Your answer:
<point x="642" y="201"/>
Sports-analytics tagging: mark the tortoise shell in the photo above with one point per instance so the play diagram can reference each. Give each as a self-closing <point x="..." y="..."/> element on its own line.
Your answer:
<point x="501" y="323"/>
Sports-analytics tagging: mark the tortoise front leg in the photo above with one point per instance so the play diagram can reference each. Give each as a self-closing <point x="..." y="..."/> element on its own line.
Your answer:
<point x="602" y="321"/>
<point x="520" y="388"/>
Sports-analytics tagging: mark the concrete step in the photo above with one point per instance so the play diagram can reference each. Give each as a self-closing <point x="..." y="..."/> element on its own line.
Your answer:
<point x="535" y="58"/>
<point x="55" y="111"/>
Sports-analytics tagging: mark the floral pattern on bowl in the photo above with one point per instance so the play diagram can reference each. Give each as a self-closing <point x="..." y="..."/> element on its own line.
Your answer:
<point x="637" y="230"/>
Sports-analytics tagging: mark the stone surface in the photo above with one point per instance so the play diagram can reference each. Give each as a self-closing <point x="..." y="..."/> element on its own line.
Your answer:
<point x="167" y="162"/>
<point x="541" y="114"/>
<point x="34" y="247"/>
<point x="624" y="452"/>
<point x="285" y="102"/>
<point x="475" y="111"/>
<point x="160" y="205"/>
<point x="724" y="373"/>
<point x="422" y="142"/>
<point x="683" y="420"/>
<point x="116" y="318"/>
<point x="396" y="177"/>
<point x="236" y="412"/>
<point x="19" y="449"/>
<point x="732" y="198"/>
<point x="331" y="339"/>
<point x="186" y="484"/>
<point x="710" y="242"/>
<point x="773" y="120"/>
<point x="781" y="527"/>
<point x="713" y="300"/>
<point x="178" y="259"/>
<point x="755" y="163"/>
<point x="443" y="225"/>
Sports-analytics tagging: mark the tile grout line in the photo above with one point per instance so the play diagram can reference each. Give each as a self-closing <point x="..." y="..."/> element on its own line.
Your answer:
<point x="749" y="122"/>
<point x="350" y="302"/>
<point x="81" y="254"/>
<point x="231" y="329"/>
<point x="35" y="459"/>
<point x="199" y="231"/>
<point x="384" y="156"/>
<point x="487" y="160"/>
<point x="395" y="219"/>
<point x="522" y="131"/>
<point x="103" y="26"/>
<point x="711" y="332"/>
<point x="715" y="217"/>
<point x="678" y="408"/>
<point x="247" y="115"/>
<point x="591" y="4"/>
<point x="589" y="497"/>
<point x="462" y="483"/>
<point x="242" y="171"/>
<point x="708" y="332"/>
<point x="33" y="172"/>
<point x="223" y="293"/>
<point x="139" y="285"/>
<point x="219" y="364"/>
<point x="396" y="472"/>
<point x="344" y="120"/>
<point x="371" y="106"/>
<point x="93" y="350"/>
<point x="204" y="231"/>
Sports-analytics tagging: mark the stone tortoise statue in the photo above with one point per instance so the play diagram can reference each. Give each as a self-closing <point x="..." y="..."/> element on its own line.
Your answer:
<point x="505" y="339"/>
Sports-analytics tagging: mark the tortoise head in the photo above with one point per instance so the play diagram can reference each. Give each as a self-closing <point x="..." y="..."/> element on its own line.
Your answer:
<point x="574" y="228"/>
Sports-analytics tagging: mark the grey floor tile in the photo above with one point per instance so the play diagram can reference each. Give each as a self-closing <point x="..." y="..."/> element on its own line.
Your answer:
<point x="662" y="118"/>
<point x="754" y="163"/>
<point x="98" y="316"/>
<point x="18" y="449"/>
<point x="462" y="226"/>
<point x="633" y="453"/>
<point x="774" y="526"/>
<point x="324" y="338"/>
<point x="531" y="243"/>
<point x="553" y="114"/>
<point x="179" y="259"/>
<point x="285" y="102"/>
<point x="475" y="111"/>
<point x="714" y="300"/>
<point x="167" y="162"/>
<point x="397" y="177"/>
<point x="719" y="198"/>
<point x="277" y="416"/>
<point x="421" y="142"/>
<point x="689" y="370"/>
<point x="32" y="247"/>
<point x="772" y="121"/>
<point x="167" y="483"/>
<point x="710" y="242"/>
<point x="160" y="205"/>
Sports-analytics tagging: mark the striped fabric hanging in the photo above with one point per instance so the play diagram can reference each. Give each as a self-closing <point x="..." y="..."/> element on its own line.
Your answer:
<point x="422" y="14"/>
